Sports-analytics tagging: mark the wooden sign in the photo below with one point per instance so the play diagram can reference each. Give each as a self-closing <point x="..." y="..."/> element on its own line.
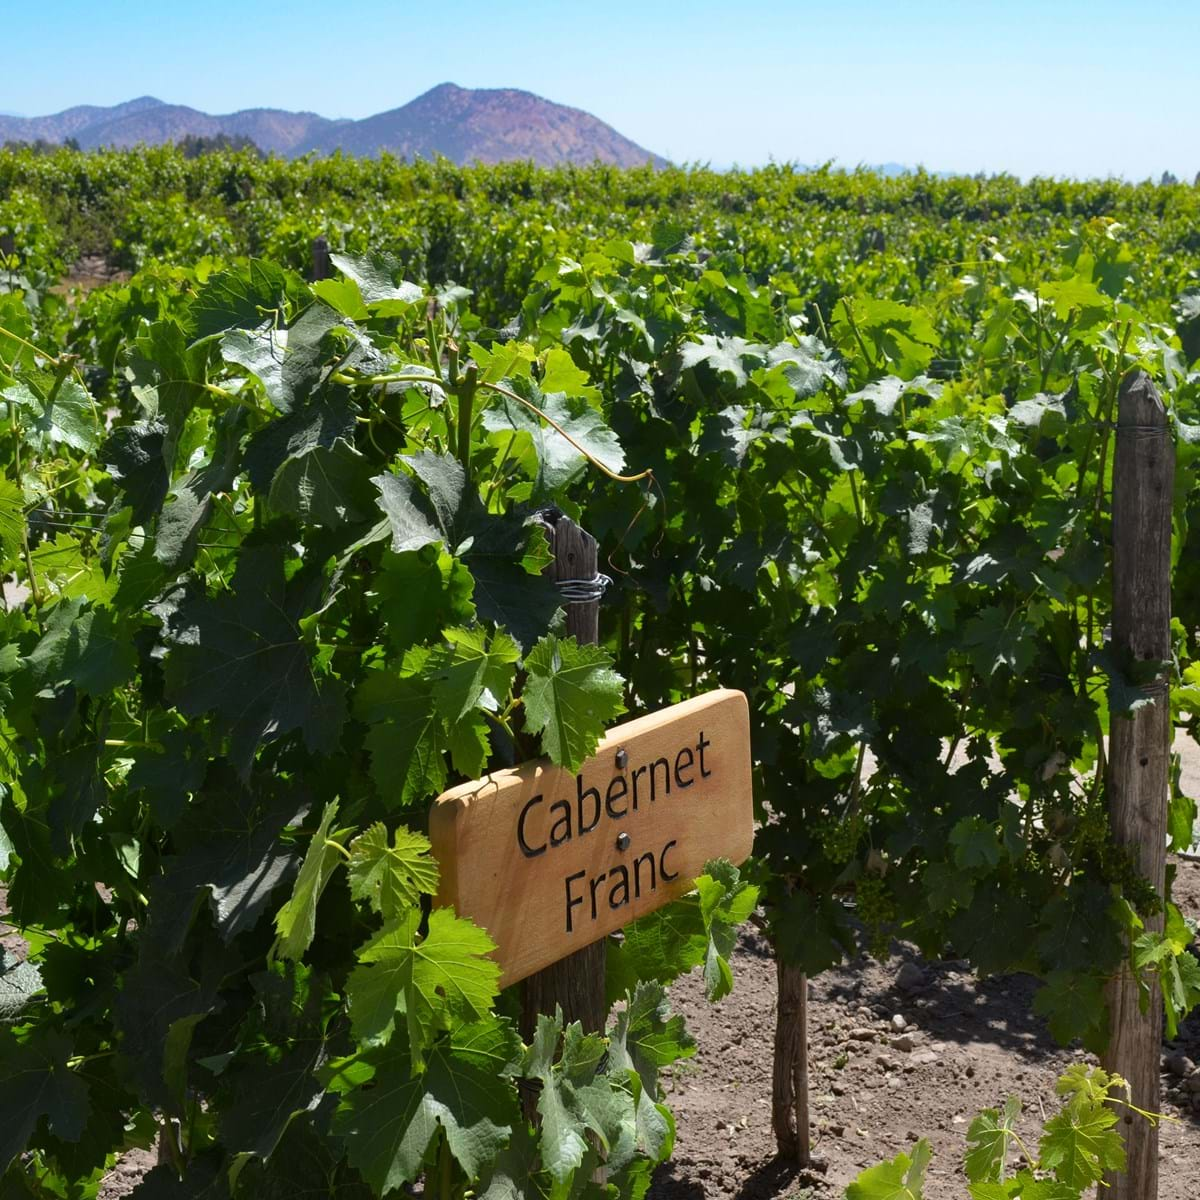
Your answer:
<point x="548" y="861"/>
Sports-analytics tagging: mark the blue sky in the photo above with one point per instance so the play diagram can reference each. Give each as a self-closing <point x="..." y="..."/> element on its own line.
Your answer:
<point x="1057" y="87"/>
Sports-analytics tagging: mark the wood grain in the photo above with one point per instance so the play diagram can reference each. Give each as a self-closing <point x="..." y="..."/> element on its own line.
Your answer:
<point x="575" y="984"/>
<point x="789" y="1090"/>
<point x="683" y="797"/>
<point x="1139" y="747"/>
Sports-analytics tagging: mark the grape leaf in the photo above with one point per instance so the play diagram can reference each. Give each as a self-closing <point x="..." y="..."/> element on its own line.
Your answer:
<point x="168" y="773"/>
<point x="440" y="513"/>
<point x="725" y="355"/>
<point x="388" y="1127"/>
<point x="189" y="503"/>
<point x="20" y="983"/>
<point x="555" y="460"/>
<point x="391" y="878"/>
<point x="807" y="365"/>
<point x="304" y="1166"/>
<point x="239" y="655"/>
<point x="469" y="746"/>
<point x="135" y="456"/>
<point x="379" y="281"/>
<point x="1080" y="1144"/>
<point x="571" y="693"/>
<point x="647" y="1036"/>
<point x="81" y="646"/>
<point x="66" y="572"/>
<point x="1079" y="934"/>
<point x="36" y="1084"/>
<point x="449" y="511"/>
<point x="12" y="517"/>
<point x="1178" y="972"/>
<point x="268" y="1096"/>
<point x="445" y="977"/>
<point x="503" y="549"/>
<point x="228" y="843"/>
<point x="901" y="1179"/>
<point x="67" y="417"/>
<point x="995" y="639"/>
<point x="1074" y="1006"/>
<point x="1024" y="1186"/>
<point x="565" y="1120"/>
<point x="169" y="376"/>
<point x="419" y="593"/>
<point x="698" y="929"/>
<point x="159" y="1006"/>
<point x="241" y="298"/>
<point x="288" y="362"/>
<point x="327" y="486"/>
<point x="989" y="1137"/>
<point x="471" y="671"/>
<point x="975" y="844"/>
<point x="318" y="423"/>
<point x="296" y="921"/>
<point x="407" y="737"/>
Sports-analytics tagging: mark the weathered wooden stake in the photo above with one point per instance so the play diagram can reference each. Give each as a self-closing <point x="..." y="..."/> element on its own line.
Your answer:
<point x="575" y="983"/>
<point x="1139" y="761"/>
<point x="322" y="268"/>
<point x="789" y="1084"/>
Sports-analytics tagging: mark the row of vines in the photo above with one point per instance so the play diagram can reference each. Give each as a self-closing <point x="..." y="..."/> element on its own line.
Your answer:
<point x="273" y="580"/>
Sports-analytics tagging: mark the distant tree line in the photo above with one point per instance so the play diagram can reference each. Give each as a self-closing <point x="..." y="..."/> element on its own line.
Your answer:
<point x="191" y="146"/>
<point x="197" y="145"/>
<point x="41" y="146"/>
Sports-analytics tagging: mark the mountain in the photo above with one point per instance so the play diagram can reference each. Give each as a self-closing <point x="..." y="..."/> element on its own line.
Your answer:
<point x="462" y="124"/>
<point x="71" y="122"/>
<point x="491" y="125"/>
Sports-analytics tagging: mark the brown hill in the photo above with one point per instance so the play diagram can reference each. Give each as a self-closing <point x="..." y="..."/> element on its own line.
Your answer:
<point x="461" y="124"/>
<point x="69" y="123"/>
<point x="489" y="125"/>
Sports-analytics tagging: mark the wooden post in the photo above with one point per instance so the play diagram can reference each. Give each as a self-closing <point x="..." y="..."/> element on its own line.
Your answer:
<point x="1139" y="757"/>
<point x="321" y="266"/>
<point x="789" y="1084"/>
<point x="575" y="983"/>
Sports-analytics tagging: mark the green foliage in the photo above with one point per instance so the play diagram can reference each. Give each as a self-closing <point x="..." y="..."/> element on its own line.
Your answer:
<point x="274" y="578"/>
<point x="570" y="697"/>
<point x="698" y="931"/>
<point x="1077" y="1147"/>
<point x="243" y="656"/>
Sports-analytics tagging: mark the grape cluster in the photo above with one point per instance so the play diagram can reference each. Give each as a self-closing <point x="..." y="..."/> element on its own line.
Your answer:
<point x="839" y="837"/>
<point x="877" y="911"/>
<point x="1117" y="864"/>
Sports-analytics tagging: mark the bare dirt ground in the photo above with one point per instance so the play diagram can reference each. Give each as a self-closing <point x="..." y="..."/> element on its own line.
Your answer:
<point x="91" y="271"/>
<point x="967" y="1044"/>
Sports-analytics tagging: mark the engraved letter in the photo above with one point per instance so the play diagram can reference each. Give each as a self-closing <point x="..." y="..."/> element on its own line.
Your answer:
<point x="585" y="826"/>
<point x="681" y="766"/>
<point x="594" y="885"/>
<point x="666" y="766"/>
<point x="616" y="790"/>
<point x="648" y="857"/>
<point x="526" y="849"/>
<point x="638" y="771"/>
<point x="662" y="863"/>
<point x="573" y="900"/>
<point x="621" y="887"/>
<point x="563" y="822"/>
